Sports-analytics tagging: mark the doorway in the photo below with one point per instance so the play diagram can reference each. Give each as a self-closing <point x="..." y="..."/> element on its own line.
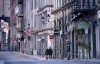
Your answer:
<point x="83" y="44"/>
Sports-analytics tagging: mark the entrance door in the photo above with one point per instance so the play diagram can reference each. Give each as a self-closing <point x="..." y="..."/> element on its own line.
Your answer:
<point x="83" y="44"/>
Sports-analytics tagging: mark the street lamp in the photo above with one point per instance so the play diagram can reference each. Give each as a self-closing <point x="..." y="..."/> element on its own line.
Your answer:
<point x="29" y="32"/>
<point x="48" y="17"/>
<point x="42" y="18"/>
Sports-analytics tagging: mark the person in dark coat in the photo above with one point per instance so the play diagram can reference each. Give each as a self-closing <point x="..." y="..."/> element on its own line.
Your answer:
<point x="46" y="53"/>
<point x="50" y="52"/>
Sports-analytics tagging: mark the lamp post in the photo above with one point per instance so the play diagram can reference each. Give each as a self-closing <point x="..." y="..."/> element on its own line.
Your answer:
<point x="42" y="39"/>
<point x="48" y="17"/>
<point x="42" y="19"/>
<point x="3" y="39"/>
<point x="29" y="32"/>
<point x="29" y="39"/>
<point x="22" y="41"/>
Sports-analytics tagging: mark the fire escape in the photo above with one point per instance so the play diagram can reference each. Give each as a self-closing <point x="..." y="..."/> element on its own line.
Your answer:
<point x="82" y="8"/>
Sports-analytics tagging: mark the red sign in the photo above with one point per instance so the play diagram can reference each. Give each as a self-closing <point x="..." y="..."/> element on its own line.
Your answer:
<point x="51" y="37"/>
<point x="29" y="32"/>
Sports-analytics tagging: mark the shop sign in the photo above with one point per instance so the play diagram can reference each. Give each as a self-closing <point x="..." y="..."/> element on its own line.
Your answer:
<point x="56" y="32"/>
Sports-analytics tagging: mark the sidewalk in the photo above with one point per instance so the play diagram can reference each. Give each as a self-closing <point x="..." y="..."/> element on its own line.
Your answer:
<point x="36" y="57"/>
<point x="33" y="56"/>
<point x="43" y="58"/>
<point x="86" y="60"/>
<point x="93" y="60"/>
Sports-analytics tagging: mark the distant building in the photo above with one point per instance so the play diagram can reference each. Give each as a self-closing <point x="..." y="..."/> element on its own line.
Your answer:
<point x="4" y="15"/>
<point x="13" y="23"/>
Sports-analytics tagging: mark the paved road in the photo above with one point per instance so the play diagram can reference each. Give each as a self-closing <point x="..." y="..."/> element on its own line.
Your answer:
<point x="15" y="58"/>
<point x="50" y="62"/>
<point x="12" y="56"/>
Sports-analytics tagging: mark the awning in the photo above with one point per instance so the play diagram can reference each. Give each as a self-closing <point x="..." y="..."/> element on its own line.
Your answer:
<point x="82" y="25"/>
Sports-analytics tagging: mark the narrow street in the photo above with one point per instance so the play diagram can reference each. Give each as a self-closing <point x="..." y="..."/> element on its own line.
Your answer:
<point x="17" y="58"/>
<point x="49" y="31"/>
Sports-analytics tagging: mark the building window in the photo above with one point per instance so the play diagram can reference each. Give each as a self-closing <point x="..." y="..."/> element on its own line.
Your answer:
<point x="31" y="4"/>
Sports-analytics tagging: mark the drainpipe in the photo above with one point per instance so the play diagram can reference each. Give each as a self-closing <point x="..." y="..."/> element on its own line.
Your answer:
<point x="63" y="42"/>
<point x="94" y="40"/>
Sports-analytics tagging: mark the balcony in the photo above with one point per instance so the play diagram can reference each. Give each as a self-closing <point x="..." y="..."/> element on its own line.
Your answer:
<point x="80" y="6"/>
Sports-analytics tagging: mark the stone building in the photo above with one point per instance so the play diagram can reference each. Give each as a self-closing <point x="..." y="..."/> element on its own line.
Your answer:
<point x="4" y="16"/>
<point x="78" y="29"/>
<point x="74" y="29"/>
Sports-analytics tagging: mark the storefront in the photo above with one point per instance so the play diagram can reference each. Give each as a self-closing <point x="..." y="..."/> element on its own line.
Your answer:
<point x="83" y="42"/>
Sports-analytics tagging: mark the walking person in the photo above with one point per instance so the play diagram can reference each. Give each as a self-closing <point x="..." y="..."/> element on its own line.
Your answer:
<point x="50" y="52"/>
<point x="46" y="53"/>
